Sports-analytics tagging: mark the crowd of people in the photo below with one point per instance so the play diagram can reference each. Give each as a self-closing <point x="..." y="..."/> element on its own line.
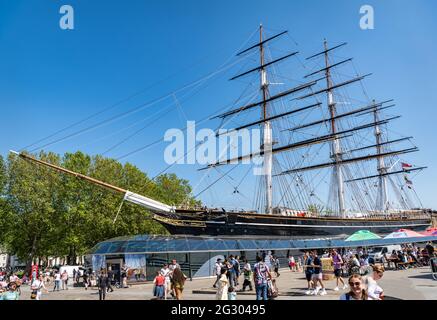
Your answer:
<point x="236" y="274"/>
<point x="169" y="282"/>
<point x="263" y="276"/>
<point x="357" y="266"/>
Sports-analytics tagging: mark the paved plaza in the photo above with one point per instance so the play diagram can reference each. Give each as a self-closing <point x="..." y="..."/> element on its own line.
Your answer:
<point x="411" y="284"/>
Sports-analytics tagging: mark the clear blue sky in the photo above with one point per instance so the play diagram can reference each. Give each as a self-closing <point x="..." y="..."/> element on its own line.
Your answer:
<point x="50" y="78"/>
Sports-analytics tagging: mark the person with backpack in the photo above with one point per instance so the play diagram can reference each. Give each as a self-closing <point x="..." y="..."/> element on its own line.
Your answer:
<point x="261" y="274"/>
<point x="357" y="292"/>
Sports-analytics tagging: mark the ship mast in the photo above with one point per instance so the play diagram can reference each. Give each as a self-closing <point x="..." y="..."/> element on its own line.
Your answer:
<point x="267" y="138"/>
<point x="382" y="170"/>
<point x="335" y="145"/>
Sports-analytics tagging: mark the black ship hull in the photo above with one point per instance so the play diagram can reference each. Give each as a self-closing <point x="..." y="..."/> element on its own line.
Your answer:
<point x="251" y="224"/>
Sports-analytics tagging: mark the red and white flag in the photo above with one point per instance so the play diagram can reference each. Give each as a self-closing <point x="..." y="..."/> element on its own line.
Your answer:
<point x="406" y="165"/>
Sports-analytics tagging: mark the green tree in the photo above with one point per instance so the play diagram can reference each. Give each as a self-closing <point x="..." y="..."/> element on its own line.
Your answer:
<point x="48" y="213"/>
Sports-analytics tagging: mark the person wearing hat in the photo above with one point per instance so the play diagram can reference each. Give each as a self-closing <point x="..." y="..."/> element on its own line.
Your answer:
<point x="12" y="293"/>
<point x="217" y="270"/>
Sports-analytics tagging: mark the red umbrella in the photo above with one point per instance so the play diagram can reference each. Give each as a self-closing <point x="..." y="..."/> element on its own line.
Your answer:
<point x="404" y="233"/>
<point x="430" y="232"/>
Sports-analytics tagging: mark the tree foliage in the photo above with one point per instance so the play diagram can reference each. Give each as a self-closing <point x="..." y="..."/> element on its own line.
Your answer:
<point x="47" y="213"/>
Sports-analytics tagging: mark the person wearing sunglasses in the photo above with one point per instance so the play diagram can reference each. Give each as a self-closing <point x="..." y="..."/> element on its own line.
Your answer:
<point x="12" y="293"/>
<point x="357" y="291"/>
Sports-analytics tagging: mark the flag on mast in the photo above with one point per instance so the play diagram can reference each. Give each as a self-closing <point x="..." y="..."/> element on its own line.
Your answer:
<point x="408" y="182"/>
<point x="406" y="165"/>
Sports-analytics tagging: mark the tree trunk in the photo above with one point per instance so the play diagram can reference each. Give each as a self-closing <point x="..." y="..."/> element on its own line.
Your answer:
<point x="30" y="257"/>
<point x="71" y="258"/>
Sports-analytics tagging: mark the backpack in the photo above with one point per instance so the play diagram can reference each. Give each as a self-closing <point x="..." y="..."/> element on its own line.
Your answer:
<point x="261" y="273"/>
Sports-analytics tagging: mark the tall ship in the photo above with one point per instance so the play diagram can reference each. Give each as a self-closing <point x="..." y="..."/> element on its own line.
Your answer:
<point x="328" y="163"/>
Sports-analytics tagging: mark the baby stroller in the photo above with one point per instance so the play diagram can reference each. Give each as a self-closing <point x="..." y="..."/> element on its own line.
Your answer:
<point x="115" y="283"/>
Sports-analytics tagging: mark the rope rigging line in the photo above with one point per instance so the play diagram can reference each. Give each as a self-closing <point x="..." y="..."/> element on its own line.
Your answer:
<point x="229" y="171"/>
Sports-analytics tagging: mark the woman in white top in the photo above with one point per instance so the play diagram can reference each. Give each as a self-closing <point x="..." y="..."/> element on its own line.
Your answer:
<point x="37" y="285"/>
<point x="165" y="271"/>
<point x="374" y="291"/>
<point x="223" y="285"/>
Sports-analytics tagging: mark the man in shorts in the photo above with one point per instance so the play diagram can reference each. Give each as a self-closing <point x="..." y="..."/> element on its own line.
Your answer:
<point x="337" y="262"/>
<point x="309" y="270"/>
<point x="317" y="275"/>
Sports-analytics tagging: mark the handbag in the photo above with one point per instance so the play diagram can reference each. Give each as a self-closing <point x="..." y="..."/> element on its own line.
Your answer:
<point x="33" y="295"/>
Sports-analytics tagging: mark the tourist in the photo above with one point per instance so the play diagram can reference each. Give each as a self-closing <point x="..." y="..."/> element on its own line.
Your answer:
<point x="430" y="249"/>
<point x="309" y="270"/>
<point x="261" y="274"/>
<point x="165" y="271"/>
<point x="232" y="271"/>
<point x="159" y="283"/>
<point x="217" y="271"/>
<point x="354" y="265"/>
<point x="102" y="284"/>
<point x="237" y="268"/>
<point x="337" y="262"/>
<point x="223" y="286"/>
<point x="317" y="275"/>
<point x="174" y="265"/>
<point x="247" y="272"/>
<point x="232" y="295"/>
<point x="85" y="278"/>
<point x="291" y="263"/>
<point x="57" y="281"/>
<point x="357" y="292"/>
<point x="276" y="265"/>
<point x="374" y="291"/>
<point x="64" y="278"/>
<point x="124" y="273"/>
<point x="111" y="279"/>
<point x="93" y="279"/>
<point x="272" y="289"/>
<point x="12" y="293"/>
<point x="47" y="277"/>
<point x="78" y="275"/>
<point x="36" y="286"/>
<point x="178" y="281"/>
<point x="299" y="264"/>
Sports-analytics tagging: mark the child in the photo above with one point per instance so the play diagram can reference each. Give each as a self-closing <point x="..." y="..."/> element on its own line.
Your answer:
<point x="247" y="271"/>
<point x="159" y="282"/>
<point x="232" y="295"/>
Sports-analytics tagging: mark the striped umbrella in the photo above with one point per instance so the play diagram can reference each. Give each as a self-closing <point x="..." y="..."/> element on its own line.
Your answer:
<point x="403" y="233"/>
<point x="429" y="232"/>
